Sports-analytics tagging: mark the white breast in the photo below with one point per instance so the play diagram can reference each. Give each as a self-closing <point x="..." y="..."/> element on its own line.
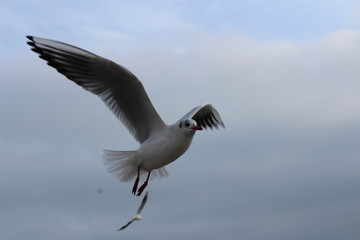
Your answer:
<point x="163" y="148"/>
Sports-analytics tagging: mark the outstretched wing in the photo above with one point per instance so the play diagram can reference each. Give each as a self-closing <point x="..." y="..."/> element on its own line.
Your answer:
<point x="117" y="87"/>
<point x="142" y="203"/>
<point x="126" y="225"/>
<point x="205" y="116"/>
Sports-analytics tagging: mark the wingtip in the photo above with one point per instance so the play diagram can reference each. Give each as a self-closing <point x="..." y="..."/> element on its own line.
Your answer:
<point x="146" y="196"/>
<point x="123" y="227"/>
<point x="31" y="42"/>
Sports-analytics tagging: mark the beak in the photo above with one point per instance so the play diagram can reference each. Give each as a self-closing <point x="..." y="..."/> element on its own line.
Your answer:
<point x="197" y="128"/>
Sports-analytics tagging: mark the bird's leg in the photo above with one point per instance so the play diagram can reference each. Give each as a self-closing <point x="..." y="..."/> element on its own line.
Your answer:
<point x="141" y="189"/>
<point x="136" y="181"/>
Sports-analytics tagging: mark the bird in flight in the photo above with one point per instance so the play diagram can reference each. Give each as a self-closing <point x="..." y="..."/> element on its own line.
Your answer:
<point x="125" y="96"/>
<point x="137" y="217"/>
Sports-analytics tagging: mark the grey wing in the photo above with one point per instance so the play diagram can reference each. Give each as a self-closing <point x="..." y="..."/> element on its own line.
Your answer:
<point x="205" y="116"/>
<point x="143" y="202"/>
<point x="117" y="87"/>
<point x="126" y="225"/>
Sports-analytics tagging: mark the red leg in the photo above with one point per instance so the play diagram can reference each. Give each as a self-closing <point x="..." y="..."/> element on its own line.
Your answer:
<point x="141" y="189"/>
<point x="136" y="181"/>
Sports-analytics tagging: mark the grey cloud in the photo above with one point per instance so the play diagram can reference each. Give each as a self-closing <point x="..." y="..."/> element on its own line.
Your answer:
<point x="285" y="167"/>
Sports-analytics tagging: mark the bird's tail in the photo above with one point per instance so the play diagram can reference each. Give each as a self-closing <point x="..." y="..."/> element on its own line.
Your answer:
<point x="123" y="165"/>
<point x="120" y="164"/>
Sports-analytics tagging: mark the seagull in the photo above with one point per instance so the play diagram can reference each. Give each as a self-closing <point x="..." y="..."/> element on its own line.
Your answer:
<point x="137" y="217"/>
<point x="125" y="96"/>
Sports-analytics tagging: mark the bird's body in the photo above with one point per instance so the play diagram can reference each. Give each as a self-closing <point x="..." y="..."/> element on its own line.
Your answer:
<point x="163" y="148"/>
<point x="137" y="217"/>
<point x="153" y="154"/>
<point x="124" y="94"/>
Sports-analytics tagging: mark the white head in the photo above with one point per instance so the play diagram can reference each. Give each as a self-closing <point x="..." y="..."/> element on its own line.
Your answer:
<point x="189" y="125"/>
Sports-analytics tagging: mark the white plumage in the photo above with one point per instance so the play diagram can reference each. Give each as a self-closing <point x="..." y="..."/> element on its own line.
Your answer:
<point x="137" y="217"/>
<point x="124" y="94"/>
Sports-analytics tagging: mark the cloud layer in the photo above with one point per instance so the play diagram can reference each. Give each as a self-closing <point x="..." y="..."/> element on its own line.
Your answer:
<point x="286" y="166"/>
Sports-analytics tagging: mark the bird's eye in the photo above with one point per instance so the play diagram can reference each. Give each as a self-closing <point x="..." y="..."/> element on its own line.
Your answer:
<point x="187" y="124"/>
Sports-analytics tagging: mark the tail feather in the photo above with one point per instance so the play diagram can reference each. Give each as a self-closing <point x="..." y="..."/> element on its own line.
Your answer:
<point x="159" y="173"/>
<point x="120" y="164"/>
<point x="124" y="167"/>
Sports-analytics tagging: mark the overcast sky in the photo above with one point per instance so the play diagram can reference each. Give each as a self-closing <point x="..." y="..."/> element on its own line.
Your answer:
<point x="284" y="75"/>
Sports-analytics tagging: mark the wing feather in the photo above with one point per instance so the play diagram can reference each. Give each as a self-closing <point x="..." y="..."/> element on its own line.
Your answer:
<point x="205" y="116"/>
<point x="126" y="225"/>
<point x="143" y="202"/>
<point x="117" y="87"/>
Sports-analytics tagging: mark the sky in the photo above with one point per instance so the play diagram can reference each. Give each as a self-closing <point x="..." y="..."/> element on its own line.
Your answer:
<point x="283" y="75"/>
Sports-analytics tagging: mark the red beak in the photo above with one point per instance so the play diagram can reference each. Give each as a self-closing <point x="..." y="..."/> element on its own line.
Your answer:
<point x="197" y="128"/>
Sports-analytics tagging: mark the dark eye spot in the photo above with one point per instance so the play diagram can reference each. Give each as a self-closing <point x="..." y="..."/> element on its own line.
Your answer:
<point x="187" y="124"/>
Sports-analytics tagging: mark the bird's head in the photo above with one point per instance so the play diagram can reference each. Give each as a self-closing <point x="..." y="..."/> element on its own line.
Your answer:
<point x="189" y="124"/>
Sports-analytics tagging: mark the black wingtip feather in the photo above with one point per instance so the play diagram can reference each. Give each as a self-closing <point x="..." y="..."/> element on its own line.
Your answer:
<point x="211" y="119"/>
<point x="31" y="44"/>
